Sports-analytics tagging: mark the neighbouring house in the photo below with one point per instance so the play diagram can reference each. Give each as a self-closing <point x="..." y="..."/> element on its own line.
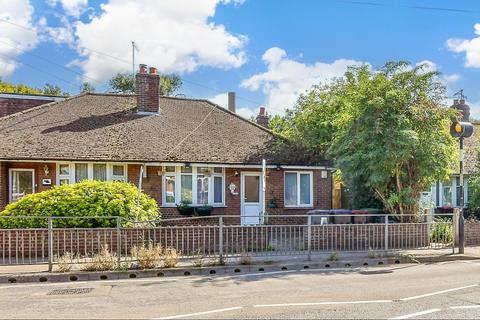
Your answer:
<point x="177" y="149"/>
<point x="17" y="102"/>
<point x="445" y="195"/>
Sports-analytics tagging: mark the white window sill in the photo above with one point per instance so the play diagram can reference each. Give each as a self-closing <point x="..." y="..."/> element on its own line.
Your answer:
<point x="298" y="207"/>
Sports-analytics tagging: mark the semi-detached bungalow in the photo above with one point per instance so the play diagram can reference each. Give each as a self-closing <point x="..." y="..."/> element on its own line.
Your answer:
<point x="180" y="150"/>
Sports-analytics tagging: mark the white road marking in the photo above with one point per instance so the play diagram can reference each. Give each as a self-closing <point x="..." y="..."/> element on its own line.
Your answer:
<point x="413" y="315"/>
<point x="319" y="303"/>
<point x="438" y="292"/>
<point x="200" y="313"/>
<point x="466" y="307"/>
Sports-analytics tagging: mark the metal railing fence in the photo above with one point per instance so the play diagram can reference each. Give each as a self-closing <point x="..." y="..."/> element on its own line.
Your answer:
<point x="222" y="237"/>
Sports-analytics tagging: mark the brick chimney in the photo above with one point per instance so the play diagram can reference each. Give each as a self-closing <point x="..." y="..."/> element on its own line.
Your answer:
<point x="464" y="109"/>
<point x="262" y="117"/>
<point x="231" y="102"/>
<point x="147" y="89"/>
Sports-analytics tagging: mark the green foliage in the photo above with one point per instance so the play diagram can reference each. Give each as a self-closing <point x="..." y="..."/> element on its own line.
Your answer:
<point x="48" y="89"/>
<point x="125" y="83"/>
<point x="86" y="198"/>
<point x="474" y="196"/>
<point x="385" y="129"/>
<point x="441" y="231"/>
<point x="17" y="88"/>
<point x="54" y="90"/>
<point x="87" y="87"/>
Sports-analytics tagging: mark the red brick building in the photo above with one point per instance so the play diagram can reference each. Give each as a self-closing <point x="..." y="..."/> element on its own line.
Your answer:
<point x="17" y="102"/>
<point x="180" y="150"/>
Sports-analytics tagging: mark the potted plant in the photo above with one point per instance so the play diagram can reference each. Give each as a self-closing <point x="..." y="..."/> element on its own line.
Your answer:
<point x="204" y="210"/>
<point x="185" y="209"/>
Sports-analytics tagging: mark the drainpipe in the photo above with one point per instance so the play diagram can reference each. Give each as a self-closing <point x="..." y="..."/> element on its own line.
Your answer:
<point x="264" y="183"/>
<point x="140" y="178"/>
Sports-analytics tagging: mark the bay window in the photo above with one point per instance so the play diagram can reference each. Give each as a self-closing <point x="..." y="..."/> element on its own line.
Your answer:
<point x="78" y="171"/>
<point x="197" y="186"/>
<point x="298" y="189"/>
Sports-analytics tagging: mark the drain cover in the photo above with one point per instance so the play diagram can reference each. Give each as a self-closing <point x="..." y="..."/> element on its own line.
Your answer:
<point x="58" y="292"/>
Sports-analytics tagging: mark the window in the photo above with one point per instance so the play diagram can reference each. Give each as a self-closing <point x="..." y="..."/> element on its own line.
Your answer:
<point x="298" y="189"/>
<point x="169" y="189"/>
<point x="22" y="182"/>
<point x="194" y="185"/>
<point x="186" y="185"/>
<point x="202" y="185"/>
<point x="447" y="194"/>
<point x="118" y="172"/>
<point x="79" y="171"/>
<point x="99" y="171"/>
<point x="63" y="173"/>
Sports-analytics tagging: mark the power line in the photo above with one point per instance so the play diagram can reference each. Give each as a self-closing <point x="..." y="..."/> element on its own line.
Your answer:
<point x="50" y="61"/>
<point x="127" y="63"/>
<point x="382" y="4"/>
<point x="40" y="70"/>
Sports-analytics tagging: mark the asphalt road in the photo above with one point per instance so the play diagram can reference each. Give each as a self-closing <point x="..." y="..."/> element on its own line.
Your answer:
<point x="434" y="291"/>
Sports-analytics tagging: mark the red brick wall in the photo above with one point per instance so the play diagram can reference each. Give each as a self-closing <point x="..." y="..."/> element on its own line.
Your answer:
<point x="152" y="185"/>
<point x="472" y="233"/>
<point x="322" y="193"/>
<point x="12" y="105"/>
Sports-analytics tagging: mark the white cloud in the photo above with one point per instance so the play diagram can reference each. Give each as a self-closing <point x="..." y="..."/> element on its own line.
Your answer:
<point x="451" y="78"/>
<point x="13" y="39"/>
<point x="222" y="100"/>
<point x="59" y="35"/>
<point x="73" y="8"/>
<point x="174" y="36"/>
<point x="470" y="47"/>
<point x="285" y="79"/>
<point x="431" y="66"/>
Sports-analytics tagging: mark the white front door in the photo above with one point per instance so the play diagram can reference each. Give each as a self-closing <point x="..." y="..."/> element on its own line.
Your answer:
<point x="251" y="186"/>
<point x="22" y="182"/>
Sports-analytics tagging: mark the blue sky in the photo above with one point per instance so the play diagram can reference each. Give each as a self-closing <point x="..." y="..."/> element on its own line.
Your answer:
<point x="268" y="51"/>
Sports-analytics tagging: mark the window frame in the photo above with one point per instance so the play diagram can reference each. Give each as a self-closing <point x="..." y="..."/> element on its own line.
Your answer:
<point x="71" y="175"/>
<point x="194" y="174"/>
<point x="10" y="181"/>
<point x="298" y="204"/>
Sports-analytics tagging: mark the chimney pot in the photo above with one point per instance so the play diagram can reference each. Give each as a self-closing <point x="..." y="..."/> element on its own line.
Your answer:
<point x="262" y="117"/>
<point x="143" y="68"/>
<point x="231" y="102"/>
<point x="462" y="101"/>
<point x="455" y="101"/>
<point x="153" y="70"/>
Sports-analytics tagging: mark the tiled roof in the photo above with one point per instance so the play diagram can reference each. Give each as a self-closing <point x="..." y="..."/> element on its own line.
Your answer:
<point x="106" y="127"/>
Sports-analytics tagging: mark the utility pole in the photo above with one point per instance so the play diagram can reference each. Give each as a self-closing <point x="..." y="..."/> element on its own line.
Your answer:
<point x="133" y="59"/>
<point x="461" y="220"/>
<point x="461" y="130"/>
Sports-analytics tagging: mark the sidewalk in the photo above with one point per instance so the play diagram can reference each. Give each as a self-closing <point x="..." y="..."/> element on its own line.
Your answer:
<point x="423" y="256"/>
<point x="439" y="255"/>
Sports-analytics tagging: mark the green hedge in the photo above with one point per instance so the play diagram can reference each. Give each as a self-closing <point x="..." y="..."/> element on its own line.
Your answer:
<point x="86" y="198"/>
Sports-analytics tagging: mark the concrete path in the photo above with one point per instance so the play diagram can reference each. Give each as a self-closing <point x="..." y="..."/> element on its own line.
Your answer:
<point x="423" y="255"/>
<point x="437" y="291"/>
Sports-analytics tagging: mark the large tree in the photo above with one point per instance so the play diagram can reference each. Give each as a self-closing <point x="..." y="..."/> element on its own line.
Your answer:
<point x="385" y="129"/>
<point x="54" y="90"/>
<point x="125" y="83"/>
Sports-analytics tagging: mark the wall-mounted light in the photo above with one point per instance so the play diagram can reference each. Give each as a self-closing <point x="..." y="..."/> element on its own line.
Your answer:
<point x="187" y="165"/>
<point x="236" y="173"/>
<point x="279" y="167"/>
<point x="46" y="170"/>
